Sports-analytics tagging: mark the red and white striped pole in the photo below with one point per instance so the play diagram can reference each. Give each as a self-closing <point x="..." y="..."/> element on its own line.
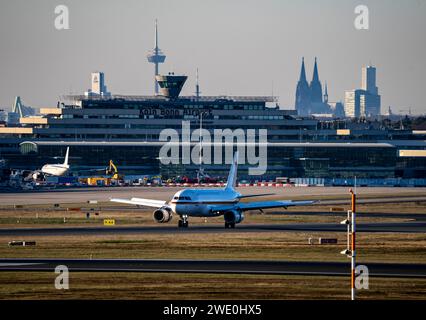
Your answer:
<point x="350" y="251"/>
<point x="353" y="246"/>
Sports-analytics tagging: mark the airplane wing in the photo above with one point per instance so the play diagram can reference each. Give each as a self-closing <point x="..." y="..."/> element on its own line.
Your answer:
<point x="272" y="204"/>
<point x="262" y="205"/>
<point x="141" y="202"/>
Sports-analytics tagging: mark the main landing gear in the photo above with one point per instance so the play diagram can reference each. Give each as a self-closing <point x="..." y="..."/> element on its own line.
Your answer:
<point x="229" y="225"/>
<point x="183" y="223"/>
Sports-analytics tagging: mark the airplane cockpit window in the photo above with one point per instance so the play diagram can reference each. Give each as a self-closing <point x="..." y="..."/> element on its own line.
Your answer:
<point x="182" y="198"/>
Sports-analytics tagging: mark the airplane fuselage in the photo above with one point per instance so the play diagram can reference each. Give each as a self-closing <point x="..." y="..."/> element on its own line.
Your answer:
<point x="201" y="203"/>
<point x="55" y="169"/>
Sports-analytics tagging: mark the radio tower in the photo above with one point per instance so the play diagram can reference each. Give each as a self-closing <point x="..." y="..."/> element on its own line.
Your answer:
<point x="156" y="57"/>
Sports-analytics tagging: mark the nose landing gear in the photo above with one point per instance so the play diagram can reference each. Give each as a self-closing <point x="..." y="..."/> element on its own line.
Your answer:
<point x="183" y="222"/>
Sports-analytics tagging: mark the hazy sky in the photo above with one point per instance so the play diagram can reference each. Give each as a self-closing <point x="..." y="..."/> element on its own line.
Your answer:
<point x="241" y="47"/>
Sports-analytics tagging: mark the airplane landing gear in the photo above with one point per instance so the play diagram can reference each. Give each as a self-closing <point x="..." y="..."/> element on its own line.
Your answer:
<point x="183" y="223"/>
<point x="229" y="225"/>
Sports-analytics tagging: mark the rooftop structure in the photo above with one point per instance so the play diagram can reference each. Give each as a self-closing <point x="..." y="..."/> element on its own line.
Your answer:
<point x="19" y="108"/>
<point x="170" y="85"/>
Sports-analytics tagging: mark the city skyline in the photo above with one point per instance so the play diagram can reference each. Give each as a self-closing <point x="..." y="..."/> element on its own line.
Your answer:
<point x="220" y="39"/>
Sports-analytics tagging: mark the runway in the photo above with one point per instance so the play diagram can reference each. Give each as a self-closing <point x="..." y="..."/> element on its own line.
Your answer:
<point x="103" y="194"/>
<point x="403" y="227"/>
<point x="213" y="266"/>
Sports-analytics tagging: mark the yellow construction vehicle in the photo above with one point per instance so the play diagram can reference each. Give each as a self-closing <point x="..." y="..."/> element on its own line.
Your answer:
<point x="113" y="178"/>
<point x="113" y="171"/>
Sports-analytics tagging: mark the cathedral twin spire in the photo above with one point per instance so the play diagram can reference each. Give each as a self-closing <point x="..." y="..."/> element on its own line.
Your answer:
<point x="307" y="95"/>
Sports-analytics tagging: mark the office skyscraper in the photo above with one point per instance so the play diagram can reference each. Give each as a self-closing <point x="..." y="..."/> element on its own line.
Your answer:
<point x="364" y="102"/>
<point x="368" y="81"/>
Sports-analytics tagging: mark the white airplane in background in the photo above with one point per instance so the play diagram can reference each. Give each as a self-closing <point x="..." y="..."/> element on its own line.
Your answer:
<point x="209" y="203"/>
<point x="57" y="170"/>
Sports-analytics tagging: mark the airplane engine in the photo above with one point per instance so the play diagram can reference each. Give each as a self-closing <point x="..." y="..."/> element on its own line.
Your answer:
<point x="162" y="215"/>
<point x="233" y="216"/>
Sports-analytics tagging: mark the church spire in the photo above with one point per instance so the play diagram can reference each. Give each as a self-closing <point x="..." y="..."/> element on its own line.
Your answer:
<point x="302" y="102"/>
<point x="315" y="86"/>
<point x="302" y="71"/>
<point x="325" y="93"/>
<point x="315" y="77"/>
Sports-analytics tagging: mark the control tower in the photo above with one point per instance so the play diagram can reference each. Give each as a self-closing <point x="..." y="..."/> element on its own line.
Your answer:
<point x="170" y="85"/>
<point x="156" y="57"/>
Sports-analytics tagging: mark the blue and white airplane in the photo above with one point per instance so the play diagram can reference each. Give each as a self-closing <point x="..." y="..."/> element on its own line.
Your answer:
<point x="209" y="203"/>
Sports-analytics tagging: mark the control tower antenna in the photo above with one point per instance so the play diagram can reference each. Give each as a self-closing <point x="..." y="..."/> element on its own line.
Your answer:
<point x="197" y="86"/>
<point x="156" y="57"/>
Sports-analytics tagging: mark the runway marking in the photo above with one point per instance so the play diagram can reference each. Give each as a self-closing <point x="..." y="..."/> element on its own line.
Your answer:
<point x="19" y="264"/>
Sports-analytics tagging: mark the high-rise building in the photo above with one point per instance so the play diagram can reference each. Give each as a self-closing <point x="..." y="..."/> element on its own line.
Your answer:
<point x="361" y="103"/>
<point x="98" y="87"/>
<point x="368" y="81"/>
<point x="372" y="104"/>
<point x="364" y="102"/>
<point x="98" y="82"/>
<point x="353" y="103"/>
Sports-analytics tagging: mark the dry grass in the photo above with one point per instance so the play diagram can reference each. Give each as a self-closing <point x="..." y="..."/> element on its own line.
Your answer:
<point x="375" y="247"/>
<point x="30" y="285"/>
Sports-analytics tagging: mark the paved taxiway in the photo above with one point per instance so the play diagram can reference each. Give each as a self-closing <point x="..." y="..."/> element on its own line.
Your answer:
<point x="78" y="195"/>
<point x="213" y="266"/>
<point x="403" y="227"/>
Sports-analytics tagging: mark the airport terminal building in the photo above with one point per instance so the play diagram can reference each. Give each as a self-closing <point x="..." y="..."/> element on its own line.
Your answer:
<point x="126" y="129"/>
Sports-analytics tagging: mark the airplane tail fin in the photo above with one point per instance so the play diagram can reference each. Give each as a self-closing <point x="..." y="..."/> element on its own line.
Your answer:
<point x="66" y="156"/>
<point x="232" y="177"/>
